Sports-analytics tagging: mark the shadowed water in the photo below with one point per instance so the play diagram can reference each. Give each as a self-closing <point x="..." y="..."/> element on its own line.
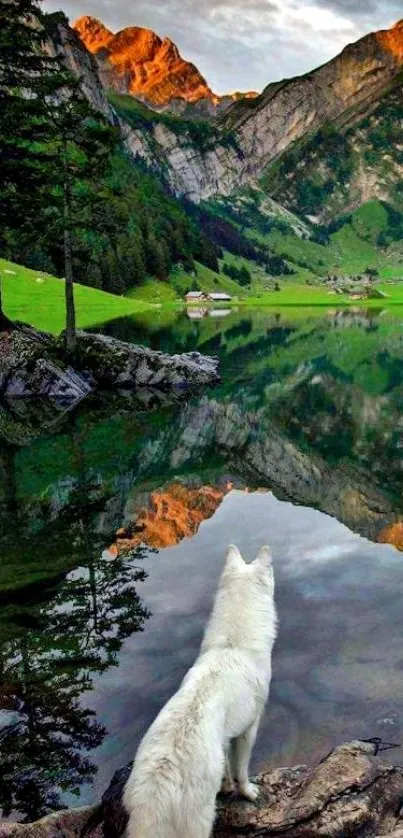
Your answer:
<point x="96" y="630"/>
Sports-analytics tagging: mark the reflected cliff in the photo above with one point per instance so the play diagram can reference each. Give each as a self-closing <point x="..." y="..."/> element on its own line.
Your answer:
<point x="308" y="408"/>
<point x="169" y="515"/>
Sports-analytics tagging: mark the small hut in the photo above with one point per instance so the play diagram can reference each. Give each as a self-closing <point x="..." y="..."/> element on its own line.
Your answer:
<point x="195" y="296"/>
<point x="219" y="297"/>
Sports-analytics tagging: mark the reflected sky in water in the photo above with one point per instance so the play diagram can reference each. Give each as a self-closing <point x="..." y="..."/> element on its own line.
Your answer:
<point x="338" y="662"/>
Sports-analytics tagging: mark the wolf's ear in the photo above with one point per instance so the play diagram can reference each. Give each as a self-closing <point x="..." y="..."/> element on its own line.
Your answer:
<point x="233" y="558"/>
<point x="263" y="558"/>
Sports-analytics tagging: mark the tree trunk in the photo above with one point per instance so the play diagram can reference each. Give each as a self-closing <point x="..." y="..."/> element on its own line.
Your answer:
<point x="69" y="292"/>
<point x="5" y="324"/>
<point x="9" y="482"/>
<point x="68" y="263"/>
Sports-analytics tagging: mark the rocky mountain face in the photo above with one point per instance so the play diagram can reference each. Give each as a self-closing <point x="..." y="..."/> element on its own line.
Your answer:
<point x="136" y="61"/>
<point x="349" y="86"/>
<point x="337" y="170"/>
<point x="253" y="133"/>
<point x="65" y="43"/>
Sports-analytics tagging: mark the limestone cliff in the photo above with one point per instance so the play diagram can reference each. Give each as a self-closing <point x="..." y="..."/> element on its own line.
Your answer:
<point x="356" y="160"/>
<point x="65" y="43"/>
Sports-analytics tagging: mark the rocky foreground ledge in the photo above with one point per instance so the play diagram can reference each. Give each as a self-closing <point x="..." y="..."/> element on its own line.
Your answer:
<point x="33" y="363"/>
<point x="352" y="793"/>
<point x="113" y="363"/>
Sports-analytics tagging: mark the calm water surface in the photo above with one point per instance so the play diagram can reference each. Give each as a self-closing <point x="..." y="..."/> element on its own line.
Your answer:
<point x="299" y="446"/>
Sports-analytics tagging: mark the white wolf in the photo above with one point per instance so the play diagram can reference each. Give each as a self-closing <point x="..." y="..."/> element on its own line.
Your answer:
<point x="202" y="739"/>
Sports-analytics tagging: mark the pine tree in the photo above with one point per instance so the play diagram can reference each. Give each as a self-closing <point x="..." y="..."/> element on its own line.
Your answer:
<point x="156" y="257"/>
<point x="54" y="147"/>
<point x="75" y="155"/>
<point x="244" y="277"/>
<point x="22" y="63"/>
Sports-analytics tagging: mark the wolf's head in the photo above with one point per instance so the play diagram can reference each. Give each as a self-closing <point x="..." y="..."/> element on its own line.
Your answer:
<point x="259" y="572"/>
<point x="244" y="613"/>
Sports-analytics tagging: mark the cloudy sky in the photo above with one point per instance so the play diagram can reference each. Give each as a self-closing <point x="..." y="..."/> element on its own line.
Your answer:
<point x="244" y="44"/>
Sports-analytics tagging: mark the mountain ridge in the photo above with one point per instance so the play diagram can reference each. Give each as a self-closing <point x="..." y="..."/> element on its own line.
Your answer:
<point x="136" y="61"/>
<point x="245" y="142"/>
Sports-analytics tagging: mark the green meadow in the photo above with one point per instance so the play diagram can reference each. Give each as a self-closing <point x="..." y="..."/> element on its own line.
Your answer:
<point x="38" y="298"/>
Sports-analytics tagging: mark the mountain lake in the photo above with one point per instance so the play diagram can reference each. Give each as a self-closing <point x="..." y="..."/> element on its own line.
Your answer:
<point x="115" y="518"/>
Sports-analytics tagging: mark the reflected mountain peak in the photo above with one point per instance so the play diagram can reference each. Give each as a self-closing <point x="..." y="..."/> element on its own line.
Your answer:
<point x="392" y="534"/>
<point x="170" y="515"/>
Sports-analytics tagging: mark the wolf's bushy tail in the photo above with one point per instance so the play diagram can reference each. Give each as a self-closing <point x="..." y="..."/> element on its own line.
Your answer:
<point x="177" y="809"/>
<point x="152" y="798"/>
<point x="143" y="824"/>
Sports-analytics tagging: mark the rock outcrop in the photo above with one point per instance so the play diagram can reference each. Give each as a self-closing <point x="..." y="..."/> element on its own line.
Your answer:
<point x="139" y="62"/>
<point x="114" y="363"/>
<point x="34" y="364"/>
<point x="32" y="367"/>
<point x="352" y="792"/>
<point x="69" y="823"/>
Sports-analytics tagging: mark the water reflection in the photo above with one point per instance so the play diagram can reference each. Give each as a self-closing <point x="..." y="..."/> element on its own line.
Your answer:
<point x="308" y="408"/>
<point x="169" y="515"/>
<point x="196" y="313"/>
<point x="338" y="661"/>
<point x="49" y="655"/>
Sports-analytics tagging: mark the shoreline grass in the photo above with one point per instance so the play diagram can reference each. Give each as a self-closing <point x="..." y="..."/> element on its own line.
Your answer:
<point x="37" y="298"/>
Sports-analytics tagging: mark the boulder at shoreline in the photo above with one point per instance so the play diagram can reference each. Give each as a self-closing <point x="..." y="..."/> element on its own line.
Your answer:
<point x="351" y="792"/>
<point x="114" y="363"/>
<point x="35" y="364"/>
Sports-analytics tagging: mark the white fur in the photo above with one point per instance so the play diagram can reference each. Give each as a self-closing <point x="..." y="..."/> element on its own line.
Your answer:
<point x="207" y="730"/>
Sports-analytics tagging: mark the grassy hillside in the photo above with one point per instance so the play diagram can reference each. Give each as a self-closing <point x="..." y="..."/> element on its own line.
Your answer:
<point x="37" y="298"/>
<point x="201" y="278"/>
<point x="368" y="237"/>
<point x="349" y="250"/>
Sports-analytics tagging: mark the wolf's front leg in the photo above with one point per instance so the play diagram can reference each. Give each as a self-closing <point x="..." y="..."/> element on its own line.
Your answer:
<point x="242" y="753"/>
<point x="227" y="785"/>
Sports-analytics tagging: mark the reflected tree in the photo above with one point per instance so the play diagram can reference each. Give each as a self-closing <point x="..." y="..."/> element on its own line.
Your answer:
<point x="8" y="481"/>
<point x="45" y="731"/>
<point x="45" y="734"/>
